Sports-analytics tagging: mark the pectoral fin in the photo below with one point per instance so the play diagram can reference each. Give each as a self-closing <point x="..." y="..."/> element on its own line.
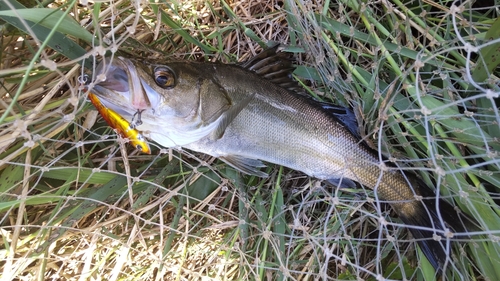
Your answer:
<point x="245" y="165"/>
<point x="228" y="117"/>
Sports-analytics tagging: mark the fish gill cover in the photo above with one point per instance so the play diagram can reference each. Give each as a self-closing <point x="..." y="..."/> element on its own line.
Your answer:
<point x="78" y="202"/>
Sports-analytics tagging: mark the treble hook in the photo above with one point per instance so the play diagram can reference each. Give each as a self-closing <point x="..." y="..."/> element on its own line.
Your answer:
<point x="137" y="122"/>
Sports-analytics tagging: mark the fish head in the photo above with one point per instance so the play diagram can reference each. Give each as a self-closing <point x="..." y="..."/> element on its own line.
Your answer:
<point x="164" y="100"/>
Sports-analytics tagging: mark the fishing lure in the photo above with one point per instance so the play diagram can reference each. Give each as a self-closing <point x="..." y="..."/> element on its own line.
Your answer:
<point x="121" y="125"/>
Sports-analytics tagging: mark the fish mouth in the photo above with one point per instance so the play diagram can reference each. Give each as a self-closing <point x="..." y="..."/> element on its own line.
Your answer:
<point x="120" y="86"/>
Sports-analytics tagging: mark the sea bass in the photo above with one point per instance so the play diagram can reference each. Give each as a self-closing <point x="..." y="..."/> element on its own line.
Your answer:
<point x="250" y="113"/>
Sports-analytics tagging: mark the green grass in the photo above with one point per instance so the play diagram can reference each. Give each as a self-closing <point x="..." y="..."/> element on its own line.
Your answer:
<point x="78" y="202"/>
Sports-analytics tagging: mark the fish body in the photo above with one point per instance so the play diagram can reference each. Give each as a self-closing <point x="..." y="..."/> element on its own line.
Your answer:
<point x="252" y="112"/>
<point x="121" y="125"/>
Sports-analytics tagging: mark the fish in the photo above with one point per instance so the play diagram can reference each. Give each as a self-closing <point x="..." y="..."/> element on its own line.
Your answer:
<point x="122" y="126"/>
<point x="251" y="113"/>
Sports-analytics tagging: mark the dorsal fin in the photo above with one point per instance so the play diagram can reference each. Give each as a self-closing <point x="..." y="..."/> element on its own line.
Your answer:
<point x="276" y="66"/>
<point x="344" y="115"/>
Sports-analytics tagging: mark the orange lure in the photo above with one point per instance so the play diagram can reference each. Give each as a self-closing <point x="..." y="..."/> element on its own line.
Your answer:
<point x="121" y="125"/>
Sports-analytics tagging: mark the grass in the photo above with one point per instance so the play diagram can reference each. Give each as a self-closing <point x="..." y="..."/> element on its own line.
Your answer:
<point x="77" y="202"/>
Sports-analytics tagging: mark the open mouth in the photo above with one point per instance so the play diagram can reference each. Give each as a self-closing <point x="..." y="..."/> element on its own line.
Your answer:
<point x="123" y="86"/>
<point x="122" y="90"/>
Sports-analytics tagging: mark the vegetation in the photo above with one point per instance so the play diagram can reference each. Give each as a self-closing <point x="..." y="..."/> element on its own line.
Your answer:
<point x="77" y="202"/>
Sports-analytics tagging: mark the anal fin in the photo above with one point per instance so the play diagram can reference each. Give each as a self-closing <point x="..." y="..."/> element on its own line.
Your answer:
<point x="245" y="165"/>
<point x="342" y="182"/>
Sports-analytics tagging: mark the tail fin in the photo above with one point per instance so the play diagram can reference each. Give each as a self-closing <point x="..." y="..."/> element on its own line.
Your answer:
<point x="431" y="214"/>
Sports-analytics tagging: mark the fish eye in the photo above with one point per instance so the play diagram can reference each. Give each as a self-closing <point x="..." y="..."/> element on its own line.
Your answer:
<point x="164" y="77"/>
